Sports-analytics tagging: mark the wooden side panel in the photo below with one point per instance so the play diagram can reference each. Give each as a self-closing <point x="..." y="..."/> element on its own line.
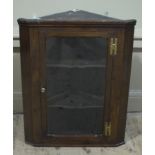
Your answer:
<point x="26" y="72"/>
<point x="36" y="88"/>
<point x="30" y="66"/>
<point x="121" y="67"/>
<point x="126" y="66"/>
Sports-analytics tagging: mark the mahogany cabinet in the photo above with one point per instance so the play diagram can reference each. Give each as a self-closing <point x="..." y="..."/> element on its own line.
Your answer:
<point x="75" y="78"/>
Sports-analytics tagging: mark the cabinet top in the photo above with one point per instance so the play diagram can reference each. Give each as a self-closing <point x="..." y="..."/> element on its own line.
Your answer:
<point x="75" y="16"/>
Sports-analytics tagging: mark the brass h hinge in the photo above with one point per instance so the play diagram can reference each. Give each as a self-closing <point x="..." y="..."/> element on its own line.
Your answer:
<point x="107" y="129"/>
<point x="113" y="46"/>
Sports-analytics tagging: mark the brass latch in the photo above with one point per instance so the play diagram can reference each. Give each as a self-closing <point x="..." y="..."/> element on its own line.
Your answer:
<point x="107" y="129"/>
<point x="113" y="46"/>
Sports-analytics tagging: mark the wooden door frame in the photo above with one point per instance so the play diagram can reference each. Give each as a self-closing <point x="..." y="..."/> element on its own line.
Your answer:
<point x="77" y="140"/>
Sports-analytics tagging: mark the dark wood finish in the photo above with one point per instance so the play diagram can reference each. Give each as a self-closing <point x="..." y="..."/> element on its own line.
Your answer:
<point x="26" y="82"/>
<point x="33" y="34"/>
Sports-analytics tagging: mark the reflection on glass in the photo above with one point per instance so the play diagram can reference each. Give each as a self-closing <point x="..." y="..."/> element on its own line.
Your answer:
<point x="75" y="85"/>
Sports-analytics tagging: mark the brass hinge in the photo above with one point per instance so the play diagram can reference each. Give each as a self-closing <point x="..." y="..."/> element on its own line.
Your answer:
<point x="113" y="46"/>
<point x="107" y="128"/>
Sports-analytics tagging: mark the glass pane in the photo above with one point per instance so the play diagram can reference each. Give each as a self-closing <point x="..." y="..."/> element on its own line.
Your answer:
<point x="75" y="85"/>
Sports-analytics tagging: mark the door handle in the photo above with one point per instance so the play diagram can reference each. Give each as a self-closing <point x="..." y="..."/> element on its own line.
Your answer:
<point x="43" y="90"/>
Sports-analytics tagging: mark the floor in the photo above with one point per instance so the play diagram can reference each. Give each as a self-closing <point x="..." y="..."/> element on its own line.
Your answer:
<point x="133" y="142"/>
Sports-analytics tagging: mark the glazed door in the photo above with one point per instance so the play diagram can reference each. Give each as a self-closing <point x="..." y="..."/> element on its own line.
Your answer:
<point x="75" y="100"/>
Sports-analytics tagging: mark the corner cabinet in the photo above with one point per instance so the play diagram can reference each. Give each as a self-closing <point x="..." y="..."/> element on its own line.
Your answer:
<point x="75" y="78"/>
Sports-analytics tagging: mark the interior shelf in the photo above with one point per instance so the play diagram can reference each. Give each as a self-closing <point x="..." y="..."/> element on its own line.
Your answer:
<point x="75" y="100"/>
<point x="77" y="63"/>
